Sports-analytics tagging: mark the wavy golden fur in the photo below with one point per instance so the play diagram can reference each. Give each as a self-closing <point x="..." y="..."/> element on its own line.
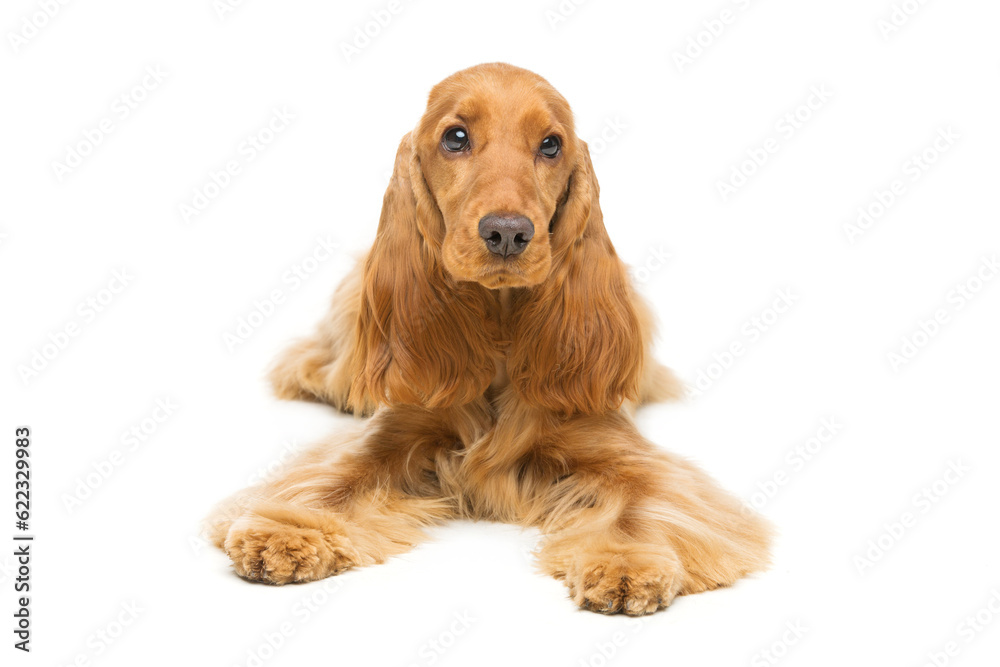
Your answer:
<point x="498" y="385"/>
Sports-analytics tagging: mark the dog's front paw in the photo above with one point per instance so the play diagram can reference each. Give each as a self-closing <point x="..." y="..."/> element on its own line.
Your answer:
<point x="634" y="583"/>
<point x="277" y="553"/>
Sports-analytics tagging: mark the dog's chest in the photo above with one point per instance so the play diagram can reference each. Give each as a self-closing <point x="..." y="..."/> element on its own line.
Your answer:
<point x="501" y="379"/>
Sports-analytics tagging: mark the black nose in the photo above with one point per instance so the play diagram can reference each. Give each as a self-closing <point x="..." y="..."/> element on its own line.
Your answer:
<point x="506" y="234"/>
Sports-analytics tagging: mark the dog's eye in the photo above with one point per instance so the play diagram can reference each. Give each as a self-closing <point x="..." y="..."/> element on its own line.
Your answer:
<point x="455" y="139"/>
<point x="550" y="146"/>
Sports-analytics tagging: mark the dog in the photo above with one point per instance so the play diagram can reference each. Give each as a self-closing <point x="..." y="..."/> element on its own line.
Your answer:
<point x="495" y="343"/>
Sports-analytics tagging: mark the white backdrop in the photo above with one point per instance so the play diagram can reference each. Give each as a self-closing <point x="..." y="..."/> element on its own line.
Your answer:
<point x="806" y="191"/>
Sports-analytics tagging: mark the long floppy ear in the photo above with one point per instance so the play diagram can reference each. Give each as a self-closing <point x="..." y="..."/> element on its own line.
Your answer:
<point x="422" y="338"/>
<point x="576" y="344"/>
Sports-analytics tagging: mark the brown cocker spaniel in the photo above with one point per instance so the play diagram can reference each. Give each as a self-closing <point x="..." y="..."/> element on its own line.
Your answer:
<point x="494" y="337"/>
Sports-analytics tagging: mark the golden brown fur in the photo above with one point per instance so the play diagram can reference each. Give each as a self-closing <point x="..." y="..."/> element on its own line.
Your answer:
<point x="499" y="386"/>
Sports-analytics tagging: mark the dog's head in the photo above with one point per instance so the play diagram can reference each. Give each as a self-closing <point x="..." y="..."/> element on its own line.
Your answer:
<point x="493" y="190"/>
<point x="495" y="151"/>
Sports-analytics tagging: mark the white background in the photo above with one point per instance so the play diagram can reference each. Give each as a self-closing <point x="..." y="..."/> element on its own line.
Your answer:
<point x="672" y="132"/>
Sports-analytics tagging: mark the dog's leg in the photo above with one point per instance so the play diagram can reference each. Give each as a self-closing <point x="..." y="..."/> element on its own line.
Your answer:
<point x="658" y="383"/>
<point x="342" y="506"/>
<point x="628" y="527"/>
<point x="318" y="368"/>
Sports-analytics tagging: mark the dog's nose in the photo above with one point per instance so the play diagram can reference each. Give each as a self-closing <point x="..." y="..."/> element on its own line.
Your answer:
<point x="506" y="235"/>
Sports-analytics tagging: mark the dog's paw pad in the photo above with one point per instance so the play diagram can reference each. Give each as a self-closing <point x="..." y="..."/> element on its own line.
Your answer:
<point x="623" y="583"/>
<point x="281" y="554"/>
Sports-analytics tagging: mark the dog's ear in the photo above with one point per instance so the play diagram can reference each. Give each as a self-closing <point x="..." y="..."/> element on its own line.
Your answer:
<point x="422" y="338"/>
<point x="576" y="344"/>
